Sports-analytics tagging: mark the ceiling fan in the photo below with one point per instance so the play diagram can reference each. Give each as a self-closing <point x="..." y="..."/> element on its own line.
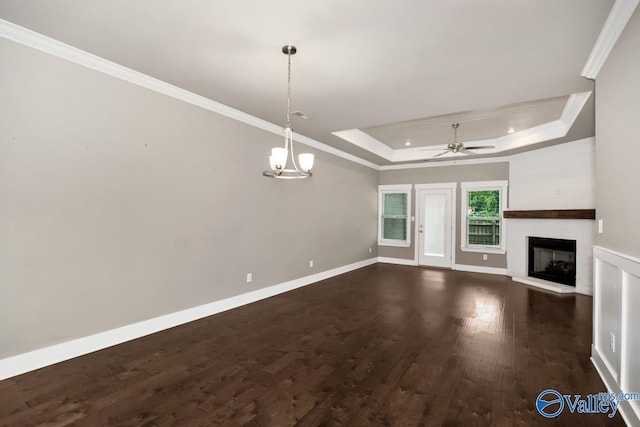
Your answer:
<point x="457" y="147"/>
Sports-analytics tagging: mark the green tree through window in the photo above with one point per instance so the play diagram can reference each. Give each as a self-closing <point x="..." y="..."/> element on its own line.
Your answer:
<point x="484" y="203"/>
<point x="483" y="217"/>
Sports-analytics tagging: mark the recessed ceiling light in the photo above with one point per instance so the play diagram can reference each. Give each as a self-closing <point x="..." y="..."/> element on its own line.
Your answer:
<point x="511" y="130"/>
<point x="407" y="143"/>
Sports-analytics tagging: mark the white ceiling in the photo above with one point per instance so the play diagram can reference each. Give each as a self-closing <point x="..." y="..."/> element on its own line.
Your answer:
<point x="360" y="64"/>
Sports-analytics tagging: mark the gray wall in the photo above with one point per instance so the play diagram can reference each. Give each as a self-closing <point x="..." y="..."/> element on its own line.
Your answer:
<point x="616" y="279"/>
<point x="618" y="144"/>
<point x="432" y="175"/>
<point x="118" y="204"/>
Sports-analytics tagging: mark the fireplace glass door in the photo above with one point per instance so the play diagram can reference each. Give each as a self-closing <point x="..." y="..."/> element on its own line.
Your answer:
<point x="553" y="260"/>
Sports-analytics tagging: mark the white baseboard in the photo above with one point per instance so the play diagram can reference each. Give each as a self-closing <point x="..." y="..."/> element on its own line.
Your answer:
<point x="630" y="417"/>
<point x="460" y="267"/>
<point x="399" y="261"/>
<point x="480" y="269"/>
<point x="21" y="363"/>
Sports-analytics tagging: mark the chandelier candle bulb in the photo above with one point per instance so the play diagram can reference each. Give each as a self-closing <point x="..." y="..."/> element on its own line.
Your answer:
<point x="279" y="157"/>
<point x="306" y="161"/>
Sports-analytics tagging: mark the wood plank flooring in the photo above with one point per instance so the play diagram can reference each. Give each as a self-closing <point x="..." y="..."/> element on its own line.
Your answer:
<point x="383" y="345"/>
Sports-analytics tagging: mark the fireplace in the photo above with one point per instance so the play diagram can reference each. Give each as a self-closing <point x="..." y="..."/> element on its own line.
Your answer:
<point x="553" y="260"/>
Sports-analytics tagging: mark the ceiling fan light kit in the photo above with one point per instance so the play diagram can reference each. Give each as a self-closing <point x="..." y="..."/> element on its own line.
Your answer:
<point x="280" y="155"/>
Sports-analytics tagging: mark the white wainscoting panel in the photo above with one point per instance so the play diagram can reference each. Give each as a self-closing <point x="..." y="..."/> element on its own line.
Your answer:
<point x="630" y="337"/>
<point x="616" y="295"/>
<point x="607" y="314"/>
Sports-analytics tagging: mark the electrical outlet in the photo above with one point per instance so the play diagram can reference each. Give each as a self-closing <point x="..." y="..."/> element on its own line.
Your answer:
<point x="613" y="342"/>
<point x="249" y="277"/>
<point x="600" y="225"/>
<point x="311" y="264"/>
<point x="484" y="257"/>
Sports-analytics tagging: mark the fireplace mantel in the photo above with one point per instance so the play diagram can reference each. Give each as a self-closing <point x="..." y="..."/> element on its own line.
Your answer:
<point x="552" y="214"/>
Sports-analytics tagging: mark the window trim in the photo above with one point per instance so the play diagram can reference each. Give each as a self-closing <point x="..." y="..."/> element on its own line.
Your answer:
<point x="402" y="188"/>
<point x="502" y="186"/>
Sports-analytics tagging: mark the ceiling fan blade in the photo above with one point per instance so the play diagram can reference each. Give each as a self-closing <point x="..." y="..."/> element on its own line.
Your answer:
<point x="432" y="149"/>
<point x="441" y="154"/>
<point x="479" y="147"/>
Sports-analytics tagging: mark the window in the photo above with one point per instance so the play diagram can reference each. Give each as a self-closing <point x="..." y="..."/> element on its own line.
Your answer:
<point x="482" y="225"/>
<point x="394" y="207"/>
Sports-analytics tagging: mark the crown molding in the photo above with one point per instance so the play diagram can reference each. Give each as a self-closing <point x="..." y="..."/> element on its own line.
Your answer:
<point x="616" y="22"/>
<point x="26" y="37"/>
<point x="458" y="162"/>
<point x="367" y="142"/>
<point x="331" y="150"/>
<point x="545" y="132"/>
<point x="574" y="105"/>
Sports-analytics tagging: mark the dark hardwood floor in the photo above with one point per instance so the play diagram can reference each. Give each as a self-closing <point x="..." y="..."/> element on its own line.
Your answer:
<point x="383" y="345"/>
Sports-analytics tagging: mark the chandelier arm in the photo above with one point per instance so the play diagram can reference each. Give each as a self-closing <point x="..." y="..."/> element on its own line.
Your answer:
<point x="293" y="156"/>
<point x="287" y="174"/>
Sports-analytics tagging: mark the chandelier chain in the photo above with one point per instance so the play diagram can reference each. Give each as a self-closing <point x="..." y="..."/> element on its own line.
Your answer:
<point x="289" y="87"/>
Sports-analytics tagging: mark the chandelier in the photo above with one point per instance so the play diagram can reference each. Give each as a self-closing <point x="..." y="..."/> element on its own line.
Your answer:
<point x="280" y="155"/>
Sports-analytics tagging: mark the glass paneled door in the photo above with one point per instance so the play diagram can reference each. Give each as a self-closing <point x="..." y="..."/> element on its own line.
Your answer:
<point x="435" y="227"/>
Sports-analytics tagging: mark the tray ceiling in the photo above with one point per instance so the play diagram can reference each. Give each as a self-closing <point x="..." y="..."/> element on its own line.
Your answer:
<point x="474" y="125"/>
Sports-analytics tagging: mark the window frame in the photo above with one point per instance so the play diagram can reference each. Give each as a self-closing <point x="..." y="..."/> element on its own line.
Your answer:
<point x="467" y="187"/>
<point x="394" y="189"/>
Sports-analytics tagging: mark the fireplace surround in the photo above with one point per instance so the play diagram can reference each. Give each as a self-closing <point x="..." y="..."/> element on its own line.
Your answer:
<point x="581" y="230"/>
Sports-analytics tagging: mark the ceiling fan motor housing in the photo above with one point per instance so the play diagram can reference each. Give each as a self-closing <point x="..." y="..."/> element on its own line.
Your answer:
<point x="455" y="146"/>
